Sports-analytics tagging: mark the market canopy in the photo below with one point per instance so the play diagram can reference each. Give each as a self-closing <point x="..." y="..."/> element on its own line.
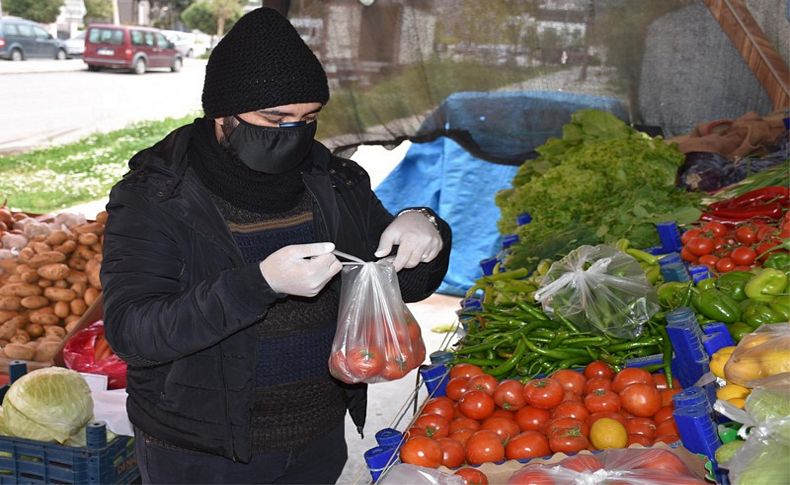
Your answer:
<point x="670" y="64"/>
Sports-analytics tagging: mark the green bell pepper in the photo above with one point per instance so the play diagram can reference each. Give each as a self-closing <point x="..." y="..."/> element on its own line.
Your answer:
<point x="781" y="305"/>
<point x="715" y="305"/>
<point x="738" y="330"/>
<point x="733" y="283"/>
<point x="766" y="285"/>
<point x="780" y="261"/>
<point x="760" y="313"/>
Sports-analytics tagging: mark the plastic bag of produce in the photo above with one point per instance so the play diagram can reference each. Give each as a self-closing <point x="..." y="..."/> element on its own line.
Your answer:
<point x="377" y="338"/>
<point x="51" y="404"/>
<point x="599" y="287"/>
<point x="761" y="354"/>
<point x="403" y="473"/>
<point x="631" y="466"/>
<point x="87" y="351"/>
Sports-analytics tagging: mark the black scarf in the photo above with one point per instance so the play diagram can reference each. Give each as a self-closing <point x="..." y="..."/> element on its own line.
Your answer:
<point x="229" y="178"/>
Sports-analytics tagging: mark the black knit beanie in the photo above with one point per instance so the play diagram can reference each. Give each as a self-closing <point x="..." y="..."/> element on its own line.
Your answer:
<point x="261" y="62"/>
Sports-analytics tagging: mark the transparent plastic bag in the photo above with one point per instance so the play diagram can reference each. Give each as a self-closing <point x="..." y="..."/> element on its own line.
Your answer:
<point x="761" y="354"/>
<point x="405" y="474"/>
<point x="79" y="354"/>
<point x="377" y="338"/>
<point x="624" y="466"/>
<point x="599" y="287"/>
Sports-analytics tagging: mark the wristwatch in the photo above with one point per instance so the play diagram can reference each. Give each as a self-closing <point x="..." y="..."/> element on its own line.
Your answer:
<point x="428" y="215"/>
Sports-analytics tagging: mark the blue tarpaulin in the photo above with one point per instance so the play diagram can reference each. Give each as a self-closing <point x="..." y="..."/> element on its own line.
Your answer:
<point x="445" y="176"/>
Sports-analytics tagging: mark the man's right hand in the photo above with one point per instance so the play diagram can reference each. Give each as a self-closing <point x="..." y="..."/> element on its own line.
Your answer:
<point x="300" y="269"/>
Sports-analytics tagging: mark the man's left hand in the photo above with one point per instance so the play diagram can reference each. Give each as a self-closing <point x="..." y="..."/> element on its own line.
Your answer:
<point x="417" y="239"/>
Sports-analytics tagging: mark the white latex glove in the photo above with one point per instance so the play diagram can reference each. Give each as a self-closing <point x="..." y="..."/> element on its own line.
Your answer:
<point x="418" y="241"/>
<point x="300" y="269"/>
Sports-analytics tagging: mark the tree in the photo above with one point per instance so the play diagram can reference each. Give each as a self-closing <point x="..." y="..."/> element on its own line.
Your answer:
<point x="44" y="11"/>
<point x="212" y="16"/>
<point x="98" y="11"/>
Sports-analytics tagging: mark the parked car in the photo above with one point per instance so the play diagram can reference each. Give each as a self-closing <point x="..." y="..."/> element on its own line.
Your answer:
<point x="129" y="47"/>
<point x="75" y="46"/>
<point x="186" y="43"/>
<point x="22" y="39"/>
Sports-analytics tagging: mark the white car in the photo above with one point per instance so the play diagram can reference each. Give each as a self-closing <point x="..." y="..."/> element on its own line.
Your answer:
<point x="186" y="43"/>
<point x="75" y="46"/>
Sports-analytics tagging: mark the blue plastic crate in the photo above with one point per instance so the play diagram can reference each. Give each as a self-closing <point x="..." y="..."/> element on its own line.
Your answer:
<point x="28" y="461"/>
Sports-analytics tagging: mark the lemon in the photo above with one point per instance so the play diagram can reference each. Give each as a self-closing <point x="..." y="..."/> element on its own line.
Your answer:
<point x="738" y="402"/>
<point x="743" y="370"/>
<point x="753" y="340"/>
<point x="608" y="433"/>
<point x="717" y="363"/>
<point x="775" y="361"/>
<point x="732" y="391"/>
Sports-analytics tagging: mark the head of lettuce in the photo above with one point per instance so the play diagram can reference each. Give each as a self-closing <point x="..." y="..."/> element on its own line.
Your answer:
<point x="50" y="404"/>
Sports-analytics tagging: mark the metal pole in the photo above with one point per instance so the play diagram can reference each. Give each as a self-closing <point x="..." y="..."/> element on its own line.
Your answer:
<point x="116" y="16"/>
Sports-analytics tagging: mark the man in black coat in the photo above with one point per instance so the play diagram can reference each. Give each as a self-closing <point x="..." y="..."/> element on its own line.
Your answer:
<point x="221" y="288"/>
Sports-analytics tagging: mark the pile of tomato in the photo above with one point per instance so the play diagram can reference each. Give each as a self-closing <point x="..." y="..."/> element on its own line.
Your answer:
<point x="483" y="420"/>
<point x="736" y="248"/>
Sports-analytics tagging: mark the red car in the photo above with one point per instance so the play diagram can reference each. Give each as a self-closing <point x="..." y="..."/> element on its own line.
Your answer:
<point x="129" y="47"/>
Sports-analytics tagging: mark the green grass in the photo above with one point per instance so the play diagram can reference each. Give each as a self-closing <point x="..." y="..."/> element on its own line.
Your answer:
<point x="58" y="177"/>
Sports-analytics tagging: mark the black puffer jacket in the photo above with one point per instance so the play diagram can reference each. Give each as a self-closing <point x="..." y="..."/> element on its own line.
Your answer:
<point x="181" y="305"/>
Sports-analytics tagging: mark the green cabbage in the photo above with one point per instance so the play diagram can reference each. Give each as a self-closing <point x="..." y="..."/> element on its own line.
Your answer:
<point x="50" y="404"/>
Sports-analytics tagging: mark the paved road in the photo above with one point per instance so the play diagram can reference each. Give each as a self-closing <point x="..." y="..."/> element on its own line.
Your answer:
<point x="39" y="106"/>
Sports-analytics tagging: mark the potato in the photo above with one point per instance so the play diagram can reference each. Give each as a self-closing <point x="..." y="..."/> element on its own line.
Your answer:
<point x="67" y="247"/>
<point x="71" y="319"/>
<point x="55" y="331"/>
<point x="34" y="302"/>
<point x="18" y="351"/>
<point x="39" y="238"/>
<point x="77" y="277"/>
<point x="23" y="268"/>
<point x="14" y="278"/>
<point x="46" y="351"/>
<point x="62" y="309"/>
<point x="40" y="247"/>
<point x="8" y="265"/>
<point x="45" y="283"/>
<point x="19" y="320"/>
<point x="92" y="269"/>
<point x="56" y="238"/>
<point x="6" y="315"/>
<point x="77" y="263"/>
<point x="97" y="248"/>
<point x="20" y="337"/>
<point x="90" y="296"/>
<point x="59" y="294"/>
<point x="61" y="284"/>
<point x="88" y="238"/>
<point x="79" y="289"/>
<point x="29" y="276"/>
<point x="45" y="319"/>
<point x="84" y="252"/>
<point x="94" y="227"/>
<point x="10" y="303"/>
<point x="26" y="254"/>
<point x="54" y="272"/>
<point x="78" y="306"/>
<point x="20" y="289"/>
<point x="48" y="257"/>
<point x="34" y="330"/>
<point x="101" y="217"/>
<point x="8" y="330"/>
<point x="72" y="324"/>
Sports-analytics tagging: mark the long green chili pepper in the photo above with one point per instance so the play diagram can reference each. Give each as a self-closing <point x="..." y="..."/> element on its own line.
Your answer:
<point x="651" y="341"/>
<point x="568" y="324"/>
<point x="508" y="365"/>
<point x="558" y="339"/>
<point x="532" y="311"/>
<point x="559" y="354"/>
<point x="477" y="362"/>
<point x="567" y="363"/>
<point x="667" y="346"/>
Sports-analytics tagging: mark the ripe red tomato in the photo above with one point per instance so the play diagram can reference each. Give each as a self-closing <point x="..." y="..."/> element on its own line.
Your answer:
<point x="642" y="400"/>
<point x="364" y="362"/>
<point x="666" y="438"/>
<point x="465" y="370"/>
<point x="417" y="357"/>
<point x="504" y="428"/>
<point x="571" y="396"/>
<point x="526" y="445"/>
<point x="415" y="431"/>
<point x="631" y="375"/>
<point x="596" y="416"/>
<point x="338" y="367"/>
<point x="529" y="418"/>
<point x="666" y="396"/>
<point x="395" y="368"/>
<point x="570" y="380"/>
<point x="663" y="414"/>
<point x="543" y="393"/>
<point x="463" y="423"/>
<point x="532" y="475"/>
<point x="457" y="387"/>
<point x="687" y="255"/>
<point x="443" y="406"/>
<point x="743" y="268"/>
<point x="571" y="409"/>
<point x="569" y="440"/>
<point x="641" y="439"/>
<point x="717" y="229"/>
<point x="602" y="401"/>
<point x="476" y="405"/>
<point x="763" y="247"/>
<point x="643" y="426"/>
<point x="453" y="453"/>
<point x="597" y="383"/>
<point x="659" y="459"/>
<point x="560" y="424"/>
<point x="667" y="427"/>
<point x="456" y="411"/>
<point x="709" y="260"/>
<point x="581" y="463"/>
<point x="484" y="446"/>
<point x="472" y="476"/>
<point x="509" y="395"/>
<point x="700" y="246"/>
<point x="766" y="232"/>
<point x="686" y="236"/>
<point x="483" y="382"/>
<point x="435" y="426"/>
<point x="743" y="256"/>
<point x="421" y="451"/>
<point x="511" y="415"/>
<point x="746" y="235"/>
<point x="462" y="435"/>
<point x="725" y="265"/>
<point x="597" y="368"/>
<point x="661" y="381"/>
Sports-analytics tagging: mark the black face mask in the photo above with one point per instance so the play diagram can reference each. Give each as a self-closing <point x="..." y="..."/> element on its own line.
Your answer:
<point x="272" y="150"/>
